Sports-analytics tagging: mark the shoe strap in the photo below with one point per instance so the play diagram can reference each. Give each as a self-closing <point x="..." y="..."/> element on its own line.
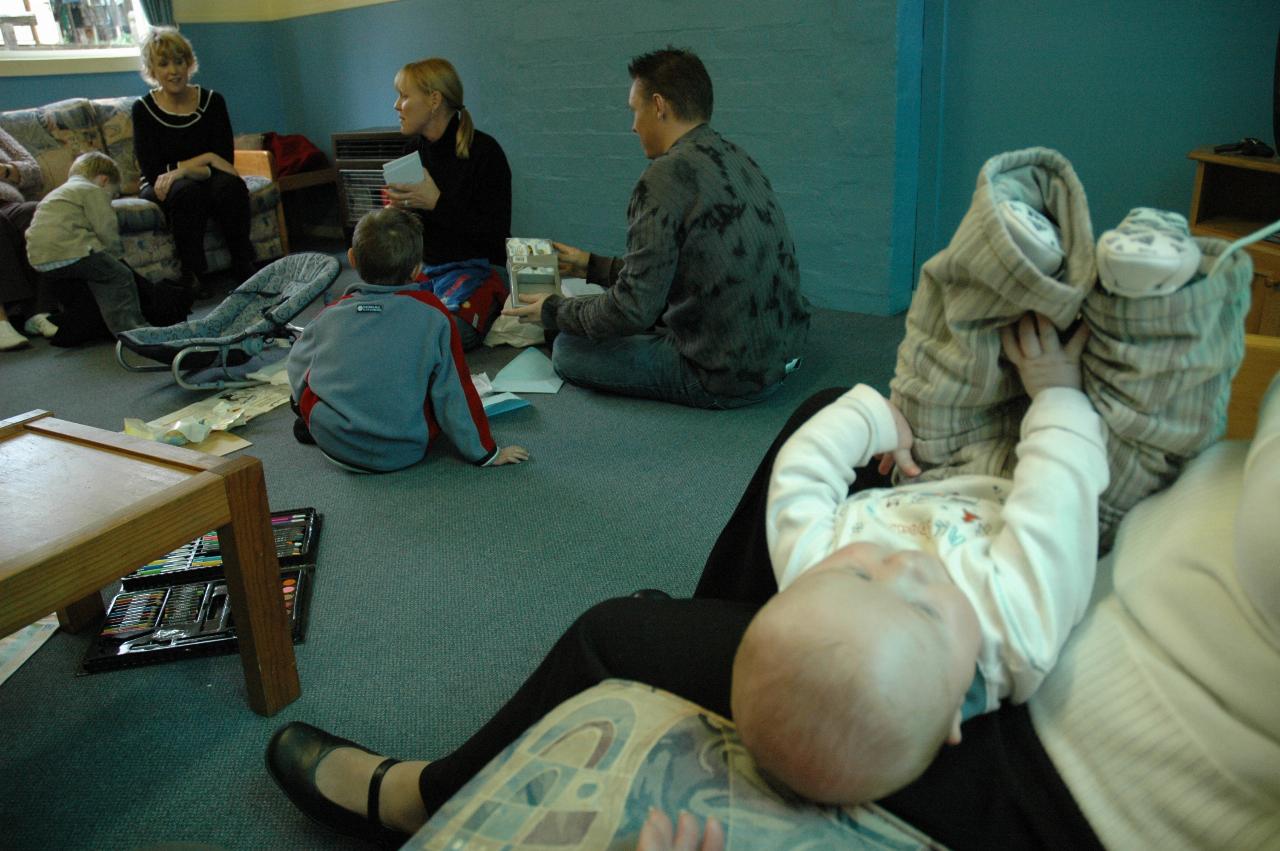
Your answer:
<point x="375" y="789"/>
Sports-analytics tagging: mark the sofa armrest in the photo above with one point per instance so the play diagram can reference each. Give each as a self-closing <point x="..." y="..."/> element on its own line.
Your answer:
<point x="256" y="163"/>
<point x="586" y="774"/>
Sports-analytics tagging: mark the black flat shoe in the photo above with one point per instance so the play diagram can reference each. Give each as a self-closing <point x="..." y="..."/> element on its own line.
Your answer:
<point x="650" y="594"/>
<point x="292" y="756"/>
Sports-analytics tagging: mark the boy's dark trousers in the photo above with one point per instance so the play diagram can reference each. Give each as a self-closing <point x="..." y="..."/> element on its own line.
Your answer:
<point x="114" y="295"/>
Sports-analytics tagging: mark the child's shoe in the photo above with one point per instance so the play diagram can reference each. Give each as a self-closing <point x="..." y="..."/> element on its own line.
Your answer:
<point x="40" y="324"/>
<point x="10" y="339"/>
<point x="301" y="433"/>
<point x="1150" y="253"/>
<point x="1036" y="237"/>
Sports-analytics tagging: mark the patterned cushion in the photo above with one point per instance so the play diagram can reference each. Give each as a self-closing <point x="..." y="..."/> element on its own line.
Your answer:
<point x="115" y="118"/>
<point x="586" y="775"/>
<point x="55" y="134"/>
<point x="136" y="215"/>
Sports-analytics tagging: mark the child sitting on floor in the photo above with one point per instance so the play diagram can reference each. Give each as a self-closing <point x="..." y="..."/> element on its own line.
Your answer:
<point x="903" y="610"/>
<point x="380" y="372"/>
<point x="74" y="242"/>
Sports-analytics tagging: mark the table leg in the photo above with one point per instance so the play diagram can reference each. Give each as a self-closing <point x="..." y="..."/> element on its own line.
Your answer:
<point x="253" y="583"/>
<point x="82" y="614"/>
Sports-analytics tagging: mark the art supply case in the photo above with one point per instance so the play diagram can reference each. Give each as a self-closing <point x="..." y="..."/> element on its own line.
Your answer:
<point x="296" y="533"/>
<point x="177" y="606"/>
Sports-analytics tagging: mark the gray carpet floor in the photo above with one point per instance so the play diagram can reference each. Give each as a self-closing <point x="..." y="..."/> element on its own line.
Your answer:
<point x="438" y="588"/>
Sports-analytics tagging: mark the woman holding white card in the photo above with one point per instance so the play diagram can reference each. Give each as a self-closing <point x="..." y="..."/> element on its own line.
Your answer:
<point x="464" y="195"/>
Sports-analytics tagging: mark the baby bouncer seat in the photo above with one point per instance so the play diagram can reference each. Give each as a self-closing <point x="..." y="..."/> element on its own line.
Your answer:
<point x="252" y="316"/>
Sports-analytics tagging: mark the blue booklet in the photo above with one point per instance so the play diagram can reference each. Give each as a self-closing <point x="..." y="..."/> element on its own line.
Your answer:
<point x="501" y="403"/>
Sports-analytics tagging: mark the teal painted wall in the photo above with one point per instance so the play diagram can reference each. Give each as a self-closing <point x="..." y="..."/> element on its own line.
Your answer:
<point x="1124" y="90"/>
<point x="19" y="92"/>
<point x="238" y="61"/>
<point x="811" y="91"/>
<point x="870" y="118"/>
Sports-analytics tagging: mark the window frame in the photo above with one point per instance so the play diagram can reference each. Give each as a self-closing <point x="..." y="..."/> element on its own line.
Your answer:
<point x="93" y="60"/>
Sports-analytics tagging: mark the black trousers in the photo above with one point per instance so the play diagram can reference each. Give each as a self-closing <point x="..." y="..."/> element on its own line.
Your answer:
<point x="190" y="205"/>
<point x="997" y="788"/>
<point x="18" y="281"/>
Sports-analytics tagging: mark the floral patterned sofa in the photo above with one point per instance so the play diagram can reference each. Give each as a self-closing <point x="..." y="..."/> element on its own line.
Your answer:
<point x="57" y="133"/>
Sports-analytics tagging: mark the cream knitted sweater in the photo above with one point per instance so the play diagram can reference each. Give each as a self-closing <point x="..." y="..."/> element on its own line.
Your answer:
<point x="1163" y="714"/>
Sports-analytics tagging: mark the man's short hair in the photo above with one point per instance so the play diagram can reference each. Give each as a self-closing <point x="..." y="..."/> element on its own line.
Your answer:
<point x="387" y="246"/>
<point x="680" y="77"/>
<point x="93" y="164"/>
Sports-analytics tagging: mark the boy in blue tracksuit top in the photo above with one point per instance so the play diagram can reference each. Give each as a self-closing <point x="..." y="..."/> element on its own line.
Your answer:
<point x="380" y="372"/>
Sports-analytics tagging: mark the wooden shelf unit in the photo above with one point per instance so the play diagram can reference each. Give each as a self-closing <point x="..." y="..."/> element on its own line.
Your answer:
<point x="1234" y="196"/>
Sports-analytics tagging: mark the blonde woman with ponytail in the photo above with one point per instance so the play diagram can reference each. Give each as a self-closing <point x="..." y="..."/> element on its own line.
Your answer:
<point x="464" y="198"/>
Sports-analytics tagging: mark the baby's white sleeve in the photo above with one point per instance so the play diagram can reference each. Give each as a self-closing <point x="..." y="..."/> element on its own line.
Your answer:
<point x="812" y="474"/>
<point x="1042" y="563"/>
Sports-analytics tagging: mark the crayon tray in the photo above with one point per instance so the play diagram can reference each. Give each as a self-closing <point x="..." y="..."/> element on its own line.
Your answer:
<point x="296" y="532"/>
<point x="149" y="625"/>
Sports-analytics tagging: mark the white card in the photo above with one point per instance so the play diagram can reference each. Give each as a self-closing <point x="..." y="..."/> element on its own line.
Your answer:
<point x="407" y="169"/>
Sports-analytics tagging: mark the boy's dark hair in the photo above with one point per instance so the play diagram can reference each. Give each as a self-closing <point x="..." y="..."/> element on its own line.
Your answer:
<point x="387" y="246"/>
<point x="680" y="77"/>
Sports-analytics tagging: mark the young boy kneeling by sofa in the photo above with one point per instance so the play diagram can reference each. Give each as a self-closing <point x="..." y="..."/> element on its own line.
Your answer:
<point x="380" y="372"/>
<point x="74" y="243"/>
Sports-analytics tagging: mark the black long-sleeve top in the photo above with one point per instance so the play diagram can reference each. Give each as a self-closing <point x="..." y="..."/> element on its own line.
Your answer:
<point x="161" y="139"/>
<point x="473" y="216"/>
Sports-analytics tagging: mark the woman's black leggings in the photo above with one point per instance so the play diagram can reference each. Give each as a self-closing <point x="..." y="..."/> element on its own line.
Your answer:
<point x="190" y="205"/>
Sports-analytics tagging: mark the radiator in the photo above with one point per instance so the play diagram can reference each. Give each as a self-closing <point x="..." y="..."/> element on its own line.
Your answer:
<point x="358" y="156"/>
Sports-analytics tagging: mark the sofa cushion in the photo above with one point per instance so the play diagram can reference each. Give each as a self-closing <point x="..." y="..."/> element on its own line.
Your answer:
<point x="135" y="215"/>
<point x="55" y="134"/>
<point x="586" y="775"/>
<point x="115" y="119"/>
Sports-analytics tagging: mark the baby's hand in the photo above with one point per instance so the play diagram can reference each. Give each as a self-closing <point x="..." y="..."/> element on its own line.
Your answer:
<point x="901" y="456"/>
<point x="658" y="834"/>
<point x="510" y="455"/>
<point x="1041" y="358"/>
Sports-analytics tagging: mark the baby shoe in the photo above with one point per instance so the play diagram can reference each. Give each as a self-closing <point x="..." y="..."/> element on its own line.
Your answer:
<point x="1150" y="253"/>
<point x="1035" y="236"/>
<point x="40" y="324"/>
<point x="10" y="338"/>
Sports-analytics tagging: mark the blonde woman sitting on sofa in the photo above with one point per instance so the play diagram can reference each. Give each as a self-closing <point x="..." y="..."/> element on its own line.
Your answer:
<point x="184" y="145"/>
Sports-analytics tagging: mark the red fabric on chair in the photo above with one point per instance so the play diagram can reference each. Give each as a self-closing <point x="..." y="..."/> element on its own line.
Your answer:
<point x="293" y="153"/>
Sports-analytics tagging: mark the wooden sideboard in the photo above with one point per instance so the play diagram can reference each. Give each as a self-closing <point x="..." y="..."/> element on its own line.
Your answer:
<point x="1234" y="196"/>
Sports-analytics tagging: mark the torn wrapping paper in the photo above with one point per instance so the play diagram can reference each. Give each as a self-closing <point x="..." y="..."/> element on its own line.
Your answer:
<point x="17" y="648"/>
<point x="177" y="433"/>
<point x="204" y="425"/>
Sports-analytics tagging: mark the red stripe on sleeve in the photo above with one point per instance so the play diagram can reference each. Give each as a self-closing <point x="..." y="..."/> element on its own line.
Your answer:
<point x="474" y="405"/>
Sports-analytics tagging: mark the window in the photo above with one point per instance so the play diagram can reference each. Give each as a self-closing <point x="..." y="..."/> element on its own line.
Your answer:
<point x="33" y="26"/>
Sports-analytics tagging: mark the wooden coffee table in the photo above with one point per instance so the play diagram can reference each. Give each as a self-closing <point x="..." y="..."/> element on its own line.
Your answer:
<point x="81" y="507"/>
